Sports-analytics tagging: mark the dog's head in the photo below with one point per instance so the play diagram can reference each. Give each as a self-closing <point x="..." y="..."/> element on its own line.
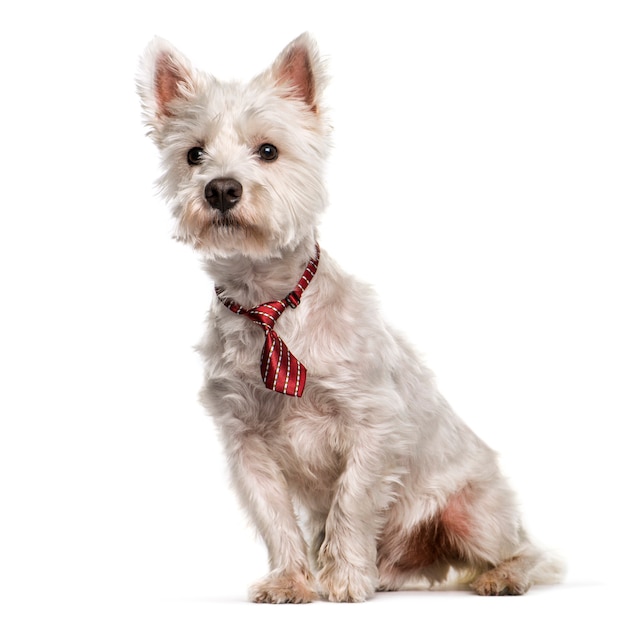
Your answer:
<point x="243" y="163"/>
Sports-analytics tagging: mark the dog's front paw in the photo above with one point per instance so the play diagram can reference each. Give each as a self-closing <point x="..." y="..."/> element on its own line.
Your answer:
<point x="345" y="584"/>
<point x="343" y="581"/>
<point x="284" y="589"/>
<point x="340" y="582"/>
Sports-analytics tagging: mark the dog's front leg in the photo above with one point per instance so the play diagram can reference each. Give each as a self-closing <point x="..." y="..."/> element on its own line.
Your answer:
<point x="347" y="557"/>
<point x="263" y="490"/>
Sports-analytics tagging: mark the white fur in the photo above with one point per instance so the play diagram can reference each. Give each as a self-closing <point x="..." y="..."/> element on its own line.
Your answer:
<point x="392" y="485"/>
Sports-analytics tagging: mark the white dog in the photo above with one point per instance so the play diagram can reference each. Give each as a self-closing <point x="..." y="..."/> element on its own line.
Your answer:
<point x="346" y="426"/>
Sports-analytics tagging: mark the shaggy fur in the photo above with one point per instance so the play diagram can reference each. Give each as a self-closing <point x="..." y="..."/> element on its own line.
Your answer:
<point x="369" y="480"/>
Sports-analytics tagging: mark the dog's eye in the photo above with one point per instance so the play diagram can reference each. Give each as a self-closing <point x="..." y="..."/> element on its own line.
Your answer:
<point x="268" y="152"/>
<point x="194" y="156"/>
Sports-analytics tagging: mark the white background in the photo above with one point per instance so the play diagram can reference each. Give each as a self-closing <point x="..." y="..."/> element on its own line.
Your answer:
<point x="477" y="180"/>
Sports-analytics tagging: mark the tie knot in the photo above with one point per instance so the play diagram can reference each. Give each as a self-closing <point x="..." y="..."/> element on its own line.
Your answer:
<point x="266" y="314"/>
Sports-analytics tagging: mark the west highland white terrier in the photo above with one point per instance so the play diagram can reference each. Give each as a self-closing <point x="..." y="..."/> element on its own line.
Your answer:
<point x="355" y="470"/>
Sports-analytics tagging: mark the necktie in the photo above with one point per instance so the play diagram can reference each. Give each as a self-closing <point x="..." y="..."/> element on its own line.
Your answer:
<point x="280" y="370"/>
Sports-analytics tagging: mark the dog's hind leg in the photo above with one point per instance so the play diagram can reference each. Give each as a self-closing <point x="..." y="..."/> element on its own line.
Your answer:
<point x="478" y="533"/>
<point x="496" y="551"/>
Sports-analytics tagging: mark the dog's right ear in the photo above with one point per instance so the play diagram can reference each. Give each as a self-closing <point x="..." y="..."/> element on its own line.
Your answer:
<point x="165" y="80"/>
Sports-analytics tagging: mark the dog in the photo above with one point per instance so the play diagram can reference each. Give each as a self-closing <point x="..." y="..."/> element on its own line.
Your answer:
<point x="354" y="469"/>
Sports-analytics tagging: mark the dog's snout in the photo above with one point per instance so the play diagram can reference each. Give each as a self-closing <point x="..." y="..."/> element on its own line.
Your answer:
<point x="223" y="193"/>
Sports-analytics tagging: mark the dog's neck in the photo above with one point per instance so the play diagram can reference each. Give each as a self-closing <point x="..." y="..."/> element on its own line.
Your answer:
<point x="251" y="281"/>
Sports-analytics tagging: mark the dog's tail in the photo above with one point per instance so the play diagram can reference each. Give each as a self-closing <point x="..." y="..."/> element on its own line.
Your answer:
<point x="549" y="569"/>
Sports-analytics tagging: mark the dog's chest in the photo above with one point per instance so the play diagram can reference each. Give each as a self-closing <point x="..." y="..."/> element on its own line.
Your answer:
<point x="309" y="447"/>
<point x="306" y="436"/>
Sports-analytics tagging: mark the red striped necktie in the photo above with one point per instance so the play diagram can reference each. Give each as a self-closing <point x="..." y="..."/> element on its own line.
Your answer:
<point x="280" y="370"/>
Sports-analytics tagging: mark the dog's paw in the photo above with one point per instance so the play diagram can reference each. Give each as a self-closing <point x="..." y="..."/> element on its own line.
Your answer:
<point x="342" y="583"/>
<point x="498" y="583"/>
<point x="284" y="589"/>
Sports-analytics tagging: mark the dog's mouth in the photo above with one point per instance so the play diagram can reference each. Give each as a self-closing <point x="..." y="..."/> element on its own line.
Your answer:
<point x="227" y="221"/>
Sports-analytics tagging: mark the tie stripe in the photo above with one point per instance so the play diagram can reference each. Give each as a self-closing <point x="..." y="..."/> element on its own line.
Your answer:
<point x="280" y="370"/>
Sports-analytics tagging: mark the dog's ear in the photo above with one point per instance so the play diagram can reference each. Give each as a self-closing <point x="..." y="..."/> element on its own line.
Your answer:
<point x="165" y="78"/>
<point x="299" y="68"/>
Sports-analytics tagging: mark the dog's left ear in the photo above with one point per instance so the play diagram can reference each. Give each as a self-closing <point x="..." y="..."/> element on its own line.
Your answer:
<point x="300" y="69"/>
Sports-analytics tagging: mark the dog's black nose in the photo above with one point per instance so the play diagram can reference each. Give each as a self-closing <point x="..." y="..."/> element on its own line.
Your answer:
<point x="223" y="193"/>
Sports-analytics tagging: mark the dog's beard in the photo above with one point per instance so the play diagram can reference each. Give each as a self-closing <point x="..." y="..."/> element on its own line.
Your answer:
<point x="214" y="232"/>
